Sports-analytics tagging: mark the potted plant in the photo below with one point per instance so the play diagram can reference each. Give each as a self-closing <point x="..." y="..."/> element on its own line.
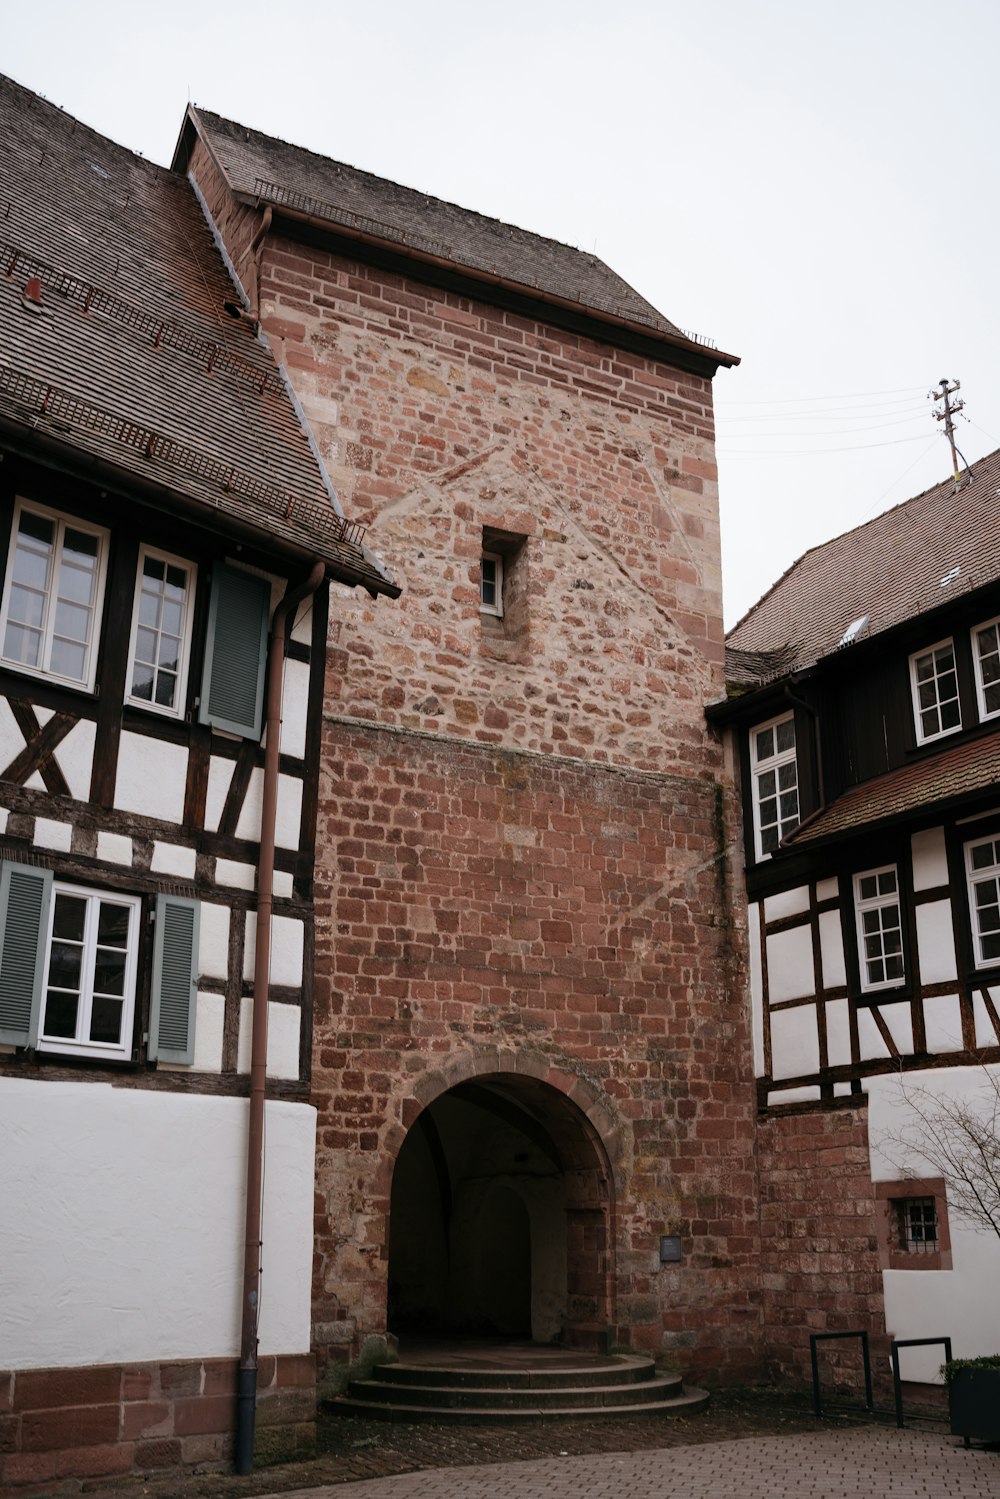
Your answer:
<point x="974" y="1397"/>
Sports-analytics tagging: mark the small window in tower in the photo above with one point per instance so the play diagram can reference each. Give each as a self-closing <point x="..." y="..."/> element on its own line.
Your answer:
<point x="491" y="584"/>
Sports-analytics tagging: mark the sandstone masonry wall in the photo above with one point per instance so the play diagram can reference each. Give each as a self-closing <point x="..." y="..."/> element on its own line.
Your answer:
<point x="819" y="1253"/>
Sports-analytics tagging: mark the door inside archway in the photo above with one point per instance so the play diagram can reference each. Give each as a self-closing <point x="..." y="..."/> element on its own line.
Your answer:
<point x="500" y="1218"/>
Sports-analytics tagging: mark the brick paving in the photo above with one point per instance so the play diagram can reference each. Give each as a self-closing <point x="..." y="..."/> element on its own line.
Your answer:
<point x="872" y="1461"/>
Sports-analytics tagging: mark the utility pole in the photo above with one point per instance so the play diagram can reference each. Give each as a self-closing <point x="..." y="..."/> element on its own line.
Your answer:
<point x="944" y="394"/>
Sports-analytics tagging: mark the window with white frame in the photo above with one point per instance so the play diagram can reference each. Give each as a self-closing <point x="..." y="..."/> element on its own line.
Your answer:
<point x="982" y="867"/>
<point x="775" y="780"/>
<point x="52" y="598"/>
<point x="491" y="583"/>
<point x="986" y="657"/>
<point x="88" y="989"/>
<point x="880" y="928"/>
<point x="934" y="683"/>
<point x="161" y="633"/>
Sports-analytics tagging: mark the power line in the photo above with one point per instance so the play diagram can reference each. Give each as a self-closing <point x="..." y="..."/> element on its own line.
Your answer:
<point x="902" y="421"/>
<point x="830" y="413"/>
<point x="851" y="395"/>
<point x="813" y="452"/>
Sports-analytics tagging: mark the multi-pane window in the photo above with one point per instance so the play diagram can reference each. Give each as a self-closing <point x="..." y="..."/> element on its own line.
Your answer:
<point x="982" y="867"/>
<point x="775" y="780"/>
<point x="161" y="629"/>
<point x="986" y="655"/>
<point x="491" y="583"/>
<point x="880" y="933"/>
<point x="934" y="682"/>
<point x="916" y="1219"/>
<point x="89" y="983"/>
<point x="52" y="600"/>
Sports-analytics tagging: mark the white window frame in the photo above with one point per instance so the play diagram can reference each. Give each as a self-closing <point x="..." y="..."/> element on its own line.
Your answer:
<point x="496" y="607"/>
<point x="189" y="568"/>
<point x="929" y="650"/>
<point x="974" y="877"/>
<point x="878" y="902"/>
<point x="80" y="1045"/>
<point x="60" y="521"/>
<point x="994" y="626"/>
<point x="761" y="767"/>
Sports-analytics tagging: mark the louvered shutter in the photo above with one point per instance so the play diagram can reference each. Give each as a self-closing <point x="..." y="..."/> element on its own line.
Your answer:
<point x="232" y="688"/>
<point x="175" y="976"/>
<point x="25" y="894"/>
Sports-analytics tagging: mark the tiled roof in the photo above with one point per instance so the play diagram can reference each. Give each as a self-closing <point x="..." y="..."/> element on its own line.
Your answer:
<point x="969" y="767"/>
<point x="262" y="168"/>
<point x="901" y="564"/>
<point x="134" y="361"/>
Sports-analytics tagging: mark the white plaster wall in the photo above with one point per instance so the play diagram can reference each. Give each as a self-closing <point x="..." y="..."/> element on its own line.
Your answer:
<point x="233" y="872"/>
<point x="936" y="942"/>
<point x="127" y="1240"/>
<point x="930" y="860"/>
<point x="173" y="859"/>
<point x="210" y="1014"/>
<point x="220" y="775"/>
<point x="49" y="834"/>
<point x="985" y="1032"/>
<point x="943" y="1022"/>
<point x="151" y="777"/>
<point x="756" y="990"/>
<point x="810" y="1094"/>
<point x="838" y="1032"/>
<point x="831" y="946"/>
<point x="787" y="903"/>
<point x="213" y="941"/>
<point x="828" y="889"/>
<point x="114" y="848"/>
<point x="283" y="1026"/>
<point x="960" y="1303"/>
<point x="794" y="1041"/>
<point x="288" y="815"/>
<point x="294" y="708"/>
<point x="790" y="964"/>
<point x="287" y="938"/>
<point x="75" y="758"/>
<point x="899" y="1022"/>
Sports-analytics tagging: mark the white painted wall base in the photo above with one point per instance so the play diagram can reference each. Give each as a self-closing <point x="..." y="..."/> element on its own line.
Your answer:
<point x="121" y="1236"/>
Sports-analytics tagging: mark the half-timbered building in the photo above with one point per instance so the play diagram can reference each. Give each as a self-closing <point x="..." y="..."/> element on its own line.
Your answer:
<point x="169" y="545"/>
<point x="864" y="701"/>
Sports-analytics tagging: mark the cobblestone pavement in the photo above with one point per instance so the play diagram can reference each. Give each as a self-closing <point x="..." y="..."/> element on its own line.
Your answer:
<point x="871" y="1462"/>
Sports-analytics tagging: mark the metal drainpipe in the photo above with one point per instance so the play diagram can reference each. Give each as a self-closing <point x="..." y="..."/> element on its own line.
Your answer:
<point x="800" y="702"/>
<point x="246" y="1388"/>
<point x="252" y="251"/>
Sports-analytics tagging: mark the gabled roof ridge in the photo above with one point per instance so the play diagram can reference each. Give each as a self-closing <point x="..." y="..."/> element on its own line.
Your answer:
<point x="375" y="178"/>
<point x="76" y="125"/>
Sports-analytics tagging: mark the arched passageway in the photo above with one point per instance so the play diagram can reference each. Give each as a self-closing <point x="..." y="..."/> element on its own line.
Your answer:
<point x="501" y="1217"/>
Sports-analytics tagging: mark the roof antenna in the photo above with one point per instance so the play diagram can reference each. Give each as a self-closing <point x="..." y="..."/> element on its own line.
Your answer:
<point x="951" y="410"/>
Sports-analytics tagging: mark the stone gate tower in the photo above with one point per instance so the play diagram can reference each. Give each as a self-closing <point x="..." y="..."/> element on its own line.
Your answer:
<point x="530" y="1057"/>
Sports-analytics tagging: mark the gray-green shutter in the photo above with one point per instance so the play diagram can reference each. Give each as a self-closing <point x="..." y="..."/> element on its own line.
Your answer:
<point x="232" y="687"/>
<point x="25" y="894"/>
<point x="175" y="978"/>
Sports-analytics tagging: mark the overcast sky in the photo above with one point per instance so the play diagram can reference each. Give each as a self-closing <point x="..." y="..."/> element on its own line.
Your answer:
<point x="811" y="186"/>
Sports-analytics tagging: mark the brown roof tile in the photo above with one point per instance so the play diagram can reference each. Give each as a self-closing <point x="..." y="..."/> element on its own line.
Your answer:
<point x="891" y="569"/>
<point x="262" y="168"/>
<point x="969" y="767"/>
<point x="134" y="361"/>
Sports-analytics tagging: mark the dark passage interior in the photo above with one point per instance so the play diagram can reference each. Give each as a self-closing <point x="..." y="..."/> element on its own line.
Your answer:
<point x="500" y="1218"/>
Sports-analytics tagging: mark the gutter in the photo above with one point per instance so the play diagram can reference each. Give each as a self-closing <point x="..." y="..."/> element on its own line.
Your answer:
<point x="246" y="1387"/>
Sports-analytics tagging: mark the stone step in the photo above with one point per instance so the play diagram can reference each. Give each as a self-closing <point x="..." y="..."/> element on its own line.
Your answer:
<point x="562" y="1396"/>
<point x="487" y="1414"/>
<point x="626" y="1369"/>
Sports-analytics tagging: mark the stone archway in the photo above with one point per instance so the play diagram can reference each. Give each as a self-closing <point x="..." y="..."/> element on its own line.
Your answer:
<point x="501" y="1216"/>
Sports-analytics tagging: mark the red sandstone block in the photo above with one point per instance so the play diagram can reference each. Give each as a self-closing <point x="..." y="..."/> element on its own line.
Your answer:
<point x="94" y="1462"/>
<point x="26" y="1467"/>
<point x="137" y="1382"/>
<point x="181" y="1379"/>
<point x="146" y="1418"/>
<point x="163" y="1453"/>
<point x="6" y="1389"/>
<point x="40" y="1389"/>
<point x="220" y="1376"/>
<point x="72" y="1426"/>
<point x="208" y="1413"/>
<point x="10" y="1433"/>
<point x="297" y="1370"/>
